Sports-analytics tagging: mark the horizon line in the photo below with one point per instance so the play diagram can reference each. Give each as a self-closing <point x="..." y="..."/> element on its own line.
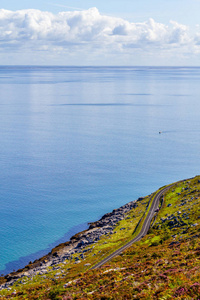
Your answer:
<point x="102" y="66"/>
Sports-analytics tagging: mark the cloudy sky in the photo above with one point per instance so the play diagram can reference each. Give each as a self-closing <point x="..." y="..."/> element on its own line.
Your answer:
<point x="99" y="32"/>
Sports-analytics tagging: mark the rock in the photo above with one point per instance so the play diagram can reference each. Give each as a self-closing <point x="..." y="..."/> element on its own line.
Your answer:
<point x="140" y="198"/>
<point x="174" y="243"/>
<point x="171" y="223"/>
<point x="81" y="243"/>
<point x="77" y="243"/>
<point x="82" y="256"/>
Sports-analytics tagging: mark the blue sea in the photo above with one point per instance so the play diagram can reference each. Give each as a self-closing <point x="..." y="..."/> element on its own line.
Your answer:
<point x="77" y="142"/>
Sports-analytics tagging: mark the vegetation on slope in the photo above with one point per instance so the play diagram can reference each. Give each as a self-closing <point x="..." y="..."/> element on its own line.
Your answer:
<point x="165" y="264"/>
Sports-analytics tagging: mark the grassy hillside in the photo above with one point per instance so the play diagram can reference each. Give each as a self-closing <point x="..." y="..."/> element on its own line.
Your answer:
<point x="165" y="264"/>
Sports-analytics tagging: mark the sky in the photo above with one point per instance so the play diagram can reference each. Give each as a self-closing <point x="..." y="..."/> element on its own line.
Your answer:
<point x="100" y="32"/>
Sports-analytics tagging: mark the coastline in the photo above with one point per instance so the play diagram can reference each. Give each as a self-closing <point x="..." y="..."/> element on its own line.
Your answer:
<point x="24" y="260"/>
<point x="76" y="244"/>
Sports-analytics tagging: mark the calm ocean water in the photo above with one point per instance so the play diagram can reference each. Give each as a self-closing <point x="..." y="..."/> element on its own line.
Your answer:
<point x="76" y="143"/>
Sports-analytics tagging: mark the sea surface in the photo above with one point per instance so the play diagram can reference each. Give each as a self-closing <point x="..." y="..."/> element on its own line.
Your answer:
<point x="76" y="143"/>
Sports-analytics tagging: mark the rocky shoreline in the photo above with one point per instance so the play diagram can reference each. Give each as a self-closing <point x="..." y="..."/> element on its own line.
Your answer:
<point x="76" y="245"/>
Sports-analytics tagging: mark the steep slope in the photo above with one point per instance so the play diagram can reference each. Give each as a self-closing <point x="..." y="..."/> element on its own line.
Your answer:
<point x="165" y="264"/>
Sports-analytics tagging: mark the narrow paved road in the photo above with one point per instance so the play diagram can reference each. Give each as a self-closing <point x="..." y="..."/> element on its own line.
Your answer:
<point x="142" y="232"/>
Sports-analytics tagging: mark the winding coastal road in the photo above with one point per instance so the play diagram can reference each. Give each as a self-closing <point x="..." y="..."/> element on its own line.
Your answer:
<point x="142" y="232"/>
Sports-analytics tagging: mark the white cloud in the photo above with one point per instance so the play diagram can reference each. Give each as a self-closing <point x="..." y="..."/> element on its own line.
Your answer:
<point x="89" y="31"/>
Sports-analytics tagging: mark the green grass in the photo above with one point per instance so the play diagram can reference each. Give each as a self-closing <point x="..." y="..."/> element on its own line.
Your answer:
<point x="165" y="264"/>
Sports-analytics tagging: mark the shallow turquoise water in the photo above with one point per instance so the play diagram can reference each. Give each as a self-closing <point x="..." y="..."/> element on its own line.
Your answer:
<point x="77" y="142"/>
